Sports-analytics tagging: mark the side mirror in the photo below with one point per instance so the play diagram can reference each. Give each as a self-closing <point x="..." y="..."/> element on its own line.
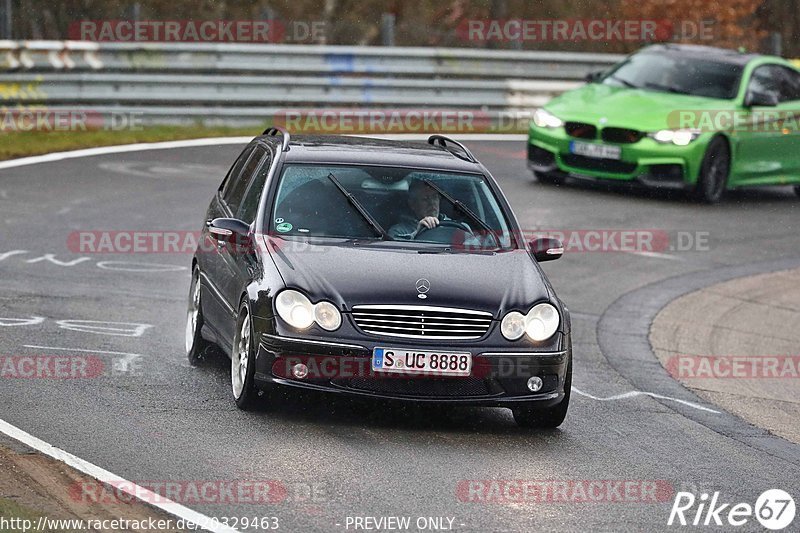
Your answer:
<point x="230" y="231"/>
<point x="754" y="99"/>
<point x="546" y="249"/>
<point x="595" y="76"/>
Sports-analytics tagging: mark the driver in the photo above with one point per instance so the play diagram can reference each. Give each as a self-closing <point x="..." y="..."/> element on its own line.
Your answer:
<point x="423" y="203"/>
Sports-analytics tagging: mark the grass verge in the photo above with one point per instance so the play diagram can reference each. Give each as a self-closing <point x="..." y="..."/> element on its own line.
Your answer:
<point x="10" y="510"/>
<point x="23" y="144"/>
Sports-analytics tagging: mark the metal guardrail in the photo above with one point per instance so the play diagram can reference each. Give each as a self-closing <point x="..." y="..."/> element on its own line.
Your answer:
<point x="229" y="83"/>
<point x="215" y="89"/>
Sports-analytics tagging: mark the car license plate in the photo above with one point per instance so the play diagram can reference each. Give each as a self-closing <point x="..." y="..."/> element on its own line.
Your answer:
<point x="405" y="361"/>
<point x="599" y="151"/>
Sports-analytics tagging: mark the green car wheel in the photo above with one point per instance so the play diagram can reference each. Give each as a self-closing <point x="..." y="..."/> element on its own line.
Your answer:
<point x="713" y="178"/>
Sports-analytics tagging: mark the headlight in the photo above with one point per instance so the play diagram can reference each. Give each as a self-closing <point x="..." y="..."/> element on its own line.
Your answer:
<point x="542" y="322"/>
<point x="298" y="311"/>
<point x="539" y="324"/>
<point x="677" y="137"/>
<point x="513" y="326"/>
<point x="545" y="119"/>
<point x="295" y="309"/>
<point x="327" y="316"/>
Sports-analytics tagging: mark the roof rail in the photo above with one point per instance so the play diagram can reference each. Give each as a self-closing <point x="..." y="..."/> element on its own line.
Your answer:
<point x="274" y="131"/>
<point x="442" y="141"/>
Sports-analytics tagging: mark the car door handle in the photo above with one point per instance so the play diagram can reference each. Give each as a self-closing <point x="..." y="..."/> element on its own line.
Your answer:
<point x="220" y="244"/>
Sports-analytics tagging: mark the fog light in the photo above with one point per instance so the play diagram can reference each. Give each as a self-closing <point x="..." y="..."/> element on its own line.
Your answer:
<point x="535" y="384"/>
<point x="300" y="371"/>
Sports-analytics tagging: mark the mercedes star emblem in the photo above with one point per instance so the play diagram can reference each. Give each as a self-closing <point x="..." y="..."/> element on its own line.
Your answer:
<point x="423" y="286"/>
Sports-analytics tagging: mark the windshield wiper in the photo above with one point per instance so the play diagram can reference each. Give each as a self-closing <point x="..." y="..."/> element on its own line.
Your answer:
<point x="666" y="88"/>
<point x="459" y="205"/>
<point x="360" y="208"/>
<point x="465" y="250"/>
<point x="624" y="82"/>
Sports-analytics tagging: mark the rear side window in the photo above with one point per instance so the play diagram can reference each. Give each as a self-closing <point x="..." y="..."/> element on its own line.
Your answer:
<point x="237" y="185"/>
<point x="766" y="80"/>
<point x="790" y="85"/>
<point x="249" y="208"/>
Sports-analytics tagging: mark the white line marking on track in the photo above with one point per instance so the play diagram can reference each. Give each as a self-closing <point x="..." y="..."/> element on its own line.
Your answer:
<point x="657" y="255"/>
<point x="218" y="141"/>
<point x="121" y="484"/>
<point x="120" y="149"/>
<point x="11" y="322"/>
<point x="78" y="350"/>
<point x="98" y="327"/>
<point x="635" y="393"/>
<point x="130" y="266"/>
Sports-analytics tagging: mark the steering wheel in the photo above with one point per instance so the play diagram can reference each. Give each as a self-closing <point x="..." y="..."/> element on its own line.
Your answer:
<point x="445" y="232"/>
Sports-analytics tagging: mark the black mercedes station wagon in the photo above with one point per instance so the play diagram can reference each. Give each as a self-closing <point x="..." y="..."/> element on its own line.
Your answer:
<point x="392" y="270"/>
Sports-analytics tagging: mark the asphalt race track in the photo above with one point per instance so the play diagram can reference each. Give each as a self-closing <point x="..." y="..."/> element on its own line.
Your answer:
<point x="152" y="417"/>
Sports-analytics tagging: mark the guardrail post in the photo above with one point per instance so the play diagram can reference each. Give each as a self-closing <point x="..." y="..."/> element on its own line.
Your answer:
<point x="8" y="51"/>
<point x="6" y="23"/>
<point x="25" y="59"/>
<point x="776" y="43"/>
<point x="387" y="29"/>
<point x="88" y="51"/>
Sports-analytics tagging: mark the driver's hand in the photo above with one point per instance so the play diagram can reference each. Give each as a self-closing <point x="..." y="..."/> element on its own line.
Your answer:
<point x="428" y="222"/>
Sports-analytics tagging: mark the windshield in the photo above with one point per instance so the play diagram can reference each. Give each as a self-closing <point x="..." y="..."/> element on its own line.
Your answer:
<point x="395" y="205"/>
<point x="677" y="74"/>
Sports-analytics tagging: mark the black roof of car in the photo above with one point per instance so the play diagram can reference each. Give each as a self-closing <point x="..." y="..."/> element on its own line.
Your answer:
<point x="712" y="53"/>
<point x="340" y="149"/>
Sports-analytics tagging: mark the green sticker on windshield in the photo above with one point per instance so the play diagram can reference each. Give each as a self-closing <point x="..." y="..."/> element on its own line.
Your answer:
<point x="283" y="227"/>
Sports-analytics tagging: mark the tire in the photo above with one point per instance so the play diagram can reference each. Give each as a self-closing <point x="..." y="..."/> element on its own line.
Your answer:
<point x="548" y="179"/>
<point x="714" y="172"/>
<point x="552" y="417"/>
<point x="195" y="344"/>
<point x="243" y="366"/>
<point x="797" y="190"/>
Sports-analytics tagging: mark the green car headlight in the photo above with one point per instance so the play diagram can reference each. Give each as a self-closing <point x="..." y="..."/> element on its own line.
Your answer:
<point x="545" y="119"/>
<point x="676" y="137"/>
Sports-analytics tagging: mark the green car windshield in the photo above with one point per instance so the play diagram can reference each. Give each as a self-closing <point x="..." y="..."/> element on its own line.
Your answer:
<point x="677" y="74"/>
<point x="387" y="204"/>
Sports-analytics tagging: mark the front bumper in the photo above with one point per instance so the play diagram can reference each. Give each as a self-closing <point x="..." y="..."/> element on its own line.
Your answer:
<point x="645" y="162"/>
<point x="499" y="376"/>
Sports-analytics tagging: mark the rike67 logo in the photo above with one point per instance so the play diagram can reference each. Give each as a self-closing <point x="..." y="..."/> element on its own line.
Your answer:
<point x="774" y="510"/>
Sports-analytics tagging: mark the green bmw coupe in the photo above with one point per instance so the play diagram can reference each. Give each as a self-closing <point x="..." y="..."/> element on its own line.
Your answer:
<point x="676" y="116"/>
